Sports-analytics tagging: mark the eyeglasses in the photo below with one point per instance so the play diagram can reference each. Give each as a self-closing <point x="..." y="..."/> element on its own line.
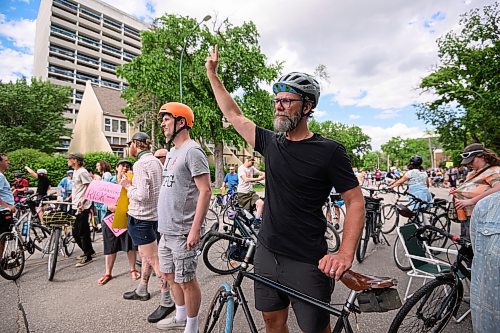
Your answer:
<point x="285" y="102"/>
<point x="469" y="153"/>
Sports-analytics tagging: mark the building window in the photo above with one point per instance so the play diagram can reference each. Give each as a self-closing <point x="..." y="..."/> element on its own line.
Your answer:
<point x="123" y="127"/>
<point x="107" y="124"/>
<point x="115" y="125"/>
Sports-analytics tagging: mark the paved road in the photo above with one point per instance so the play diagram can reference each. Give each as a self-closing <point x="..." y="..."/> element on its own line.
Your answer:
<point x="73" y="302"/>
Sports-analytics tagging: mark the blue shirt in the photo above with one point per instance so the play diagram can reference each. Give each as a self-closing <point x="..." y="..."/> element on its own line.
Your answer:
<point x="5" y="192"/>
<point x="232" y="180"/>
<point x="66" y="184"/>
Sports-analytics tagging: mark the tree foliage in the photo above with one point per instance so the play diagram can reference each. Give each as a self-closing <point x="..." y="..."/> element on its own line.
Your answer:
<point x="153" y="76"/>
<point x="401" y="150"/>
<point x="354" y="140"/>
<point x="467" y="83"/>
<point x="31" y="115"/>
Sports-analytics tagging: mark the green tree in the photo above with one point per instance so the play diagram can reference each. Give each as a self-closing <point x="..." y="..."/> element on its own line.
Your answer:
<point x="467" y="83"/>
<point x="153" y="77"/>
<point x="31" y="115"/>
<point x="401" y="150"/>
<point x="352" y="137"/>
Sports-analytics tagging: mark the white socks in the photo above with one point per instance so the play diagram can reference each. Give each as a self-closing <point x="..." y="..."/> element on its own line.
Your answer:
<point x="180" y="312"/>
<point x="191" y="325"/>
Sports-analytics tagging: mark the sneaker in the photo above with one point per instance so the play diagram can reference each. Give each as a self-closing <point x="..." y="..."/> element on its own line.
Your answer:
<point x="171" y="323"/>
<point x="83" y="262"/>
<point x="80" y="257"/>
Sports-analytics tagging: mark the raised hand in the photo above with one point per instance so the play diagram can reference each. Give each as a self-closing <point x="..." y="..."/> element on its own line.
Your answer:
<point x="212" y="60"/>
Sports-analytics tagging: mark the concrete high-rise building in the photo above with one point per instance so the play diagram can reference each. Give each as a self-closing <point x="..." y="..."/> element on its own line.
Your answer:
<point x="85" y="40"/>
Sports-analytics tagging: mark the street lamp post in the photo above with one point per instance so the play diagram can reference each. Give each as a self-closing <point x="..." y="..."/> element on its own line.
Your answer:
<point x="206" y="18"/>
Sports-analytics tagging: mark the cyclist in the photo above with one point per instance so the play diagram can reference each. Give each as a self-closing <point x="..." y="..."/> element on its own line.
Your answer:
<point x="7" y="207"/>
<point x="65" y="186"/>
<point x="183" y="203"/>
<point x="19" y="187"/>
<point x="301" y="169"/>
<point x="418" y="182"/>
<point x="247" y="198"/>
<point x="230" y="181"/>
<point x="43" y="181"/>
<point x="81" y="208"/>
<point x="142" y="192"/>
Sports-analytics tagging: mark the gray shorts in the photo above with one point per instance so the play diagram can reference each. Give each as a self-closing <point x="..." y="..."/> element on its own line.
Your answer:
<point x="175" y="258"/>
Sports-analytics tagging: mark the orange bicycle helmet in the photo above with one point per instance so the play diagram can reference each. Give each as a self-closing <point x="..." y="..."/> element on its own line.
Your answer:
<point x="178" y="110"/>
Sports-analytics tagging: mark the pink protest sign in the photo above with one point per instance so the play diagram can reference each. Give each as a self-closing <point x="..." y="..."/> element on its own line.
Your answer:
<point x="103" y="192"/>
<point x="109" y="222"/>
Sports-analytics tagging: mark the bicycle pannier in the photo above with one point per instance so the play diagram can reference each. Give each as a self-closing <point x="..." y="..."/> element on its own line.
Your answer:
<point x="379" y="300"/>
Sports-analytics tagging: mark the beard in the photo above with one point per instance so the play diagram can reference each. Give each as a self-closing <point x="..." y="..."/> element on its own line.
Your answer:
<point x="284" y="123"/>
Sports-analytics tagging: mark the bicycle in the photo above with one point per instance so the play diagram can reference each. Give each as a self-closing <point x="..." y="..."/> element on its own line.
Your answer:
<point x="33" y="236"/>
<point x="432" y="306"/>
<point x="334" y="212"/>
<point x="60" y="239"/>
<point x="228" y="298"/>
<point x="373" y="225"/>
<point x="423" y="214"/>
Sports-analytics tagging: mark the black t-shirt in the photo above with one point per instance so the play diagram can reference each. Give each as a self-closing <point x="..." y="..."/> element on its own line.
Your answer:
<point x="299" y="177"/>
<point x="43" y="185"/>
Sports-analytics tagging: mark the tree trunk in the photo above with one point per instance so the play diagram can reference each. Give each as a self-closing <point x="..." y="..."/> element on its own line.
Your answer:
<point x="219" y="163"/>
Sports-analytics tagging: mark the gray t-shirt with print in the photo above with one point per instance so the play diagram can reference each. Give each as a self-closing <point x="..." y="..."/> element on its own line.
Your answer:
<point x="178" y="193"/>
<point x="81" y="180"/>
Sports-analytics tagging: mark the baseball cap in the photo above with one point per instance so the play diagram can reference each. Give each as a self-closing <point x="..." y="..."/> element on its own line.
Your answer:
<point x="470" y="152"/>
<point x="76" y="156"/>
<point x="41" y="171"/>
<point x="124" y="162"/>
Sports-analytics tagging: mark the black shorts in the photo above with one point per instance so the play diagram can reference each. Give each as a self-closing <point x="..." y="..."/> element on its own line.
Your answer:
<point x="303" y="277"/>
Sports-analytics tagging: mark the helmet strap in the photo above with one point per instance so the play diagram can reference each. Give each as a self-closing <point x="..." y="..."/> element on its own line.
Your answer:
<point x="176" y="131"/>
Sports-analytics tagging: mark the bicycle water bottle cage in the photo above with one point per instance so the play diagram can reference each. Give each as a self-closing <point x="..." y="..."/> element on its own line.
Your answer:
<point x="405" y="211"/>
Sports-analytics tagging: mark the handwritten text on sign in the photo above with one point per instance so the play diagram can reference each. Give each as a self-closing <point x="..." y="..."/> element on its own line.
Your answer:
<point x="103" y="192"/>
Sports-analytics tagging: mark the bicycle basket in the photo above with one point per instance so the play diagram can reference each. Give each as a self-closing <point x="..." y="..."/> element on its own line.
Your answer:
<point x="379" y="300"/>
<point x="405" y="211"/>
<point x="372" y="205"/>
<point x="58" y="218"/>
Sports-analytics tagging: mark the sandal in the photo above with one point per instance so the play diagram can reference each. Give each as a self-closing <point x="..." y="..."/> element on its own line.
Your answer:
<point x="104" y="279"/>
<point x="134" y="274"/>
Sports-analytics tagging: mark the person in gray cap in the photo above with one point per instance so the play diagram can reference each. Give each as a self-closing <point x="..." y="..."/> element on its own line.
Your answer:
<point x="143" y="191"/>
<point x="81" y="208"/>
<point x="481" y="182"/>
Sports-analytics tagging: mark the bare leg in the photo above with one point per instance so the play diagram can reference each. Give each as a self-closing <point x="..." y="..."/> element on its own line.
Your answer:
<point x="192" y="297"/>
<point x="110" y="262"/>
<point x="175" y="289"/>
<point x="276" y="321"/>
<point x="132" y="256"/>
<point x="149" y="253"/>
<point x="259" y="205"/>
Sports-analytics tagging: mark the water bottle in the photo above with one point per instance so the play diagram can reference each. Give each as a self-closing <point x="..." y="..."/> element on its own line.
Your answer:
<point x="25" y="228"/>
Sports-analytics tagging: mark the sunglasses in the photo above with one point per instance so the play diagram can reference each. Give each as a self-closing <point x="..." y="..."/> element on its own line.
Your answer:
<point x="469" y="153"/>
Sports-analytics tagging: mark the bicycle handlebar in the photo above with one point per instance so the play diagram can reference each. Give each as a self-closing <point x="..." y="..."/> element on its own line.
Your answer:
<point x="454" y="238"/>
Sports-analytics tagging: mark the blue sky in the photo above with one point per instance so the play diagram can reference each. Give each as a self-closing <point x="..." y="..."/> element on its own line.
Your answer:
<point x="376" y="52"/>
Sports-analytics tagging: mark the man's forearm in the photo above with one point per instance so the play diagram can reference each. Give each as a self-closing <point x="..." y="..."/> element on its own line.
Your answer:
<point x="201" y="208"/>
<point x="226" y="103"/>
<point x="353" y="226"/>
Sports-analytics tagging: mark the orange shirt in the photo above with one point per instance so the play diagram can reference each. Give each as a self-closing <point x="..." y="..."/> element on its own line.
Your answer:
<point x="474" y="186"/>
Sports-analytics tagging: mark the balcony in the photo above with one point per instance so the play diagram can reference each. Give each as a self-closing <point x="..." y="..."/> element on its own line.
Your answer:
<point x="129" y="55"/>
<point x="112" y="49"/>
<point x="62" y="51"/>
<point x="85" y="77"/>
<point x="61" y="32"/>
<point x="111" y="84"/>
<point x="90" y="15"/>
<point x="108" y="66"/>
<point x="89" y="41"/>
<point x="61" y="71"/>
<point x="112" y="24"/>
<point x="66" y="5"/>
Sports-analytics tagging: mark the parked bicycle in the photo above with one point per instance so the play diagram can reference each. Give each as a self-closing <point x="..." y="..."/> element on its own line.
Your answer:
<point x="334" y="212"/>
<point x="373" y="294"/>
<point x="373" y="224"/>
<point x="422" y="214"/>
<point x="431" y="307"/>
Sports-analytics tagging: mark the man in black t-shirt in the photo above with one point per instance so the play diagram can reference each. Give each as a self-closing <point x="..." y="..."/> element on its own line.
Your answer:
<point x="43" y="181"/>
<point x="301" y="169"/>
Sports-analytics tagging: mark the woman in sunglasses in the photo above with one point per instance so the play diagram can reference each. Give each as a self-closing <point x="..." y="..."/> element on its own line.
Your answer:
<point x="481" y="182"/>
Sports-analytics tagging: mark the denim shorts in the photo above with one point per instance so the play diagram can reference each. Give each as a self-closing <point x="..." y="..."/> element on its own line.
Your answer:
<point x="142" y="232"/>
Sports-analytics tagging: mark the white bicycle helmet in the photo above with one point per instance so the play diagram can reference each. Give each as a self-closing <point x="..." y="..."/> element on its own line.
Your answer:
<point x="299" y="83"/>
<point x="41" y="171"/>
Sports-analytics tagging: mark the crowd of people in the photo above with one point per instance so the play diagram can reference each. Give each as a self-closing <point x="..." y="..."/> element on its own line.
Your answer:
<point x="169" y="192"/>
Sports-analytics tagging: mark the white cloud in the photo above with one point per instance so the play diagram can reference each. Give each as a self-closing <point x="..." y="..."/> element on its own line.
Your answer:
<point x="354" y="116"/>
<point x="381" y="135"/>
<point x="20" y="32"/>
<point x="319" y="114"/>
<point x="14" y="64"/>
<point x="387" y="114"/>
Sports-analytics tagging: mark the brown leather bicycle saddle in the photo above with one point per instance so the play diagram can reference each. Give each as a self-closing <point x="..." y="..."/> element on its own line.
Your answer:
<point x="357" y="282"/>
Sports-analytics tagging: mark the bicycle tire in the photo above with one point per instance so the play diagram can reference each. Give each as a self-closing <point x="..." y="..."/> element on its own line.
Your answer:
<point x="41" y="236"/>
<point x="363" y="242"/>
<point x="68" y="244"/>
<point x="216" y="256"/>
<point x="338" y="222"/>
<point x="53" y="252"/>
<point x="12" y="259"/>
<point x="212" y="215"/>
<point x="388" y="212"/>
<point x="443" y="222"/>
<point x="398" y="253"/>
<point x="221" y="311"/>
<point x="332" y="238"/>
<point x="438" y="316"/>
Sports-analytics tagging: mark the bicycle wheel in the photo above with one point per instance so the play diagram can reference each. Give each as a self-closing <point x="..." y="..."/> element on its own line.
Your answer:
<point x="363" y="242"/>
<point x="442" y="222"/>
<point x="41" y="237"/>
<point x="332" y="238"/>
<point x="212" y="216"/>
<point x="219" y="256"/>
<point x="390" y="218"/>
<point x="399" y="256"/>
<point x="338" y="221"/>
<point x="221" y="312"/>
<point x="429" y="309"/>
<point x="12" y="260"/>
<point x="53" y="252"/>
<point x="92" y="224"/>
<point x="68" y="243"/>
